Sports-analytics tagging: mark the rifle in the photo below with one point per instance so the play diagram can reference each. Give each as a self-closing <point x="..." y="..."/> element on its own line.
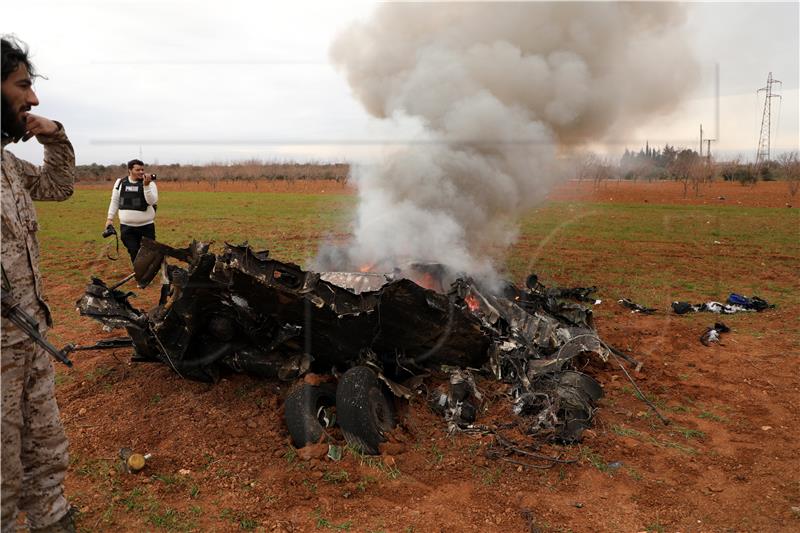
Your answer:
<point x="28" y="324"/>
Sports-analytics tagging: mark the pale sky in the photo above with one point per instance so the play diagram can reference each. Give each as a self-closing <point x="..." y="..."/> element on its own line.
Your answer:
<point x="195" y="82"/>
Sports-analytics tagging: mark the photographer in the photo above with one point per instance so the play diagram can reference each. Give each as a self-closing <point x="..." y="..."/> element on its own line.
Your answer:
<point x="135" y="198"/>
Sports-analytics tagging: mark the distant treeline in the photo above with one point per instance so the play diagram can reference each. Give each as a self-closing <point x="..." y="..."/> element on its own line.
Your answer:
<point x="247" y="170"/>
<point x="688" y="167"/>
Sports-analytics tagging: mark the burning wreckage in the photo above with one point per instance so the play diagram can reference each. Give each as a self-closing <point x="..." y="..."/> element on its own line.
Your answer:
<point x="380" y="334"/>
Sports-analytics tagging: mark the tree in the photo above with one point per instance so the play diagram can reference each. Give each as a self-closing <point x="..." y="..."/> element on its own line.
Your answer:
<point x="790" y="170"/>
<point x="683" y="167"/>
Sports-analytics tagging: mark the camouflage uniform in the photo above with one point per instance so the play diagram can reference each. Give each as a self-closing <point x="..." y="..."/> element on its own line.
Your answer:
<point x="34" y="446"/>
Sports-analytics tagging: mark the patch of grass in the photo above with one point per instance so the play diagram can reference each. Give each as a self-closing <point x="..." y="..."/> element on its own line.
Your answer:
<point x="689" y="433"/>
<point x="655" y="527"/>
<point x="310" y="485"/>
<point x="96" y="469"/>
<point x="194" y="491"/>
<point x="688" y="450"/>
<point x="594" y="459"/>
<point x="364" y="483"/>
<point x="247" y="524"/>
<point x="490" y="476"/>
<point x="208" y="460"/>
<point x="338" y="476"/>
<point x="155" y="399"/>
<point x="625" y="432"/>
<point x="390" y="471"/>
<point x="324" y="523"/>
<point x="436" y="454"/>
<point x="633" y="473"/>
<point x="95" y="373"/>
<point x="134" y="501"/>
<point x="169" y="479"/>
<point x="171" y="520"/>
<point x="707" y="415"/>
<point x="223" y="473"/>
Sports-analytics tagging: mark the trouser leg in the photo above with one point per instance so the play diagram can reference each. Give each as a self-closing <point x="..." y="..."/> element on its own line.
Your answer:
<point x="44" y="446"/>
<point x="13" y="380"/>
<point x="131" y="239"/>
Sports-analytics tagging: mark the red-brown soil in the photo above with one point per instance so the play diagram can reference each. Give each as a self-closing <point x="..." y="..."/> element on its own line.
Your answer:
<point x="222" y="460"/>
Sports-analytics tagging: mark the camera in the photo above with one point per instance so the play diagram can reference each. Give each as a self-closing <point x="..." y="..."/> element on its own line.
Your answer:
<point x="153" y="177"/>
<point x="109" y="231"/>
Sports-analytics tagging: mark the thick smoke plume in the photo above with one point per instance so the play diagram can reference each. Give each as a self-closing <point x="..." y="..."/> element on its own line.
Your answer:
<point x="501" y="91"/>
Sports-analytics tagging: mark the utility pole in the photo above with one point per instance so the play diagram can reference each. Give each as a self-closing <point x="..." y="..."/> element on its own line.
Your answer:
<point x="762" y="155"/>
<point x="708" y="148"/>
<point x="701" y="140"/>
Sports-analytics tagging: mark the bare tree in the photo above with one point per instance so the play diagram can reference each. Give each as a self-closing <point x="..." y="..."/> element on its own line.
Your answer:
<point x="683" y="168"/>
<point x="790" y="168"/>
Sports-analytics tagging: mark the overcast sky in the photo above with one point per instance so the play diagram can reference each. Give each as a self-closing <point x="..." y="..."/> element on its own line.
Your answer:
<point x="195" y="82"/>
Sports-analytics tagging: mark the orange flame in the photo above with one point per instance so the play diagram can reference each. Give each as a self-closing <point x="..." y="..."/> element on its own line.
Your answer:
<point x="472" y="302"/>
<point x="366" y="267"/>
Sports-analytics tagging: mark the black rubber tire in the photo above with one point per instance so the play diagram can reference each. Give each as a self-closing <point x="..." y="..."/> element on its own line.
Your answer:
<point x="301" y="408"/>
<point x="364" y="409"/>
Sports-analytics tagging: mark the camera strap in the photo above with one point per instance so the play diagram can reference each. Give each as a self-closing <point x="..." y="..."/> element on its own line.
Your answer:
<point x="116" y="238"/>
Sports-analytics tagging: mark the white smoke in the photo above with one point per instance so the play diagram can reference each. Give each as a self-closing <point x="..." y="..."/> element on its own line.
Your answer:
<point x="501" y="90"/>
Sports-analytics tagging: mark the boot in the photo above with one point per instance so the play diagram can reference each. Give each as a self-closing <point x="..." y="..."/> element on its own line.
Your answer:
<point x="66" y="524"/>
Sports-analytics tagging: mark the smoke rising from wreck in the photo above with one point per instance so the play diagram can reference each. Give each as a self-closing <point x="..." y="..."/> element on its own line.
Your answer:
<point x="500" y="90"/>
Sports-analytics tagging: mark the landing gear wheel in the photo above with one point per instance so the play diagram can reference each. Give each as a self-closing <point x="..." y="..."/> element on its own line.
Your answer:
<point x="304" y="412"/>
<point x="364" y="409"/>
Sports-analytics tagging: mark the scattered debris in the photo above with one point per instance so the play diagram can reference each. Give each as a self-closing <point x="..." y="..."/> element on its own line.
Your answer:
<point x="736" y="303"/>
<point x="243" y="311"/>
<point x="713" y="333"/>
<point x="636" y="308"/>
<point x="133" y="462"/>
<point x="753" y="303"/>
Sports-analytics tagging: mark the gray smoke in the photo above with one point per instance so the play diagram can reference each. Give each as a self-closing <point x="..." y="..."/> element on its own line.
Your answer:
<point x="501" y="90"/>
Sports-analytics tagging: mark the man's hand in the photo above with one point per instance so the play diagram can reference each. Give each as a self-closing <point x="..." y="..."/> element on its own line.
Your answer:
<point x="108" y="223"/>
<point x="36" y="125"/>
<point x="147" y="179"/>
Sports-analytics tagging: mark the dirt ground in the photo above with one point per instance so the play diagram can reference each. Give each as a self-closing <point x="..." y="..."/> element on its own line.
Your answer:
<point x="222" y="461"/>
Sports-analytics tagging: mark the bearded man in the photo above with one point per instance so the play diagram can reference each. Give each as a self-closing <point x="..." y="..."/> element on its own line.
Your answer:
<point x="34" y="446"/>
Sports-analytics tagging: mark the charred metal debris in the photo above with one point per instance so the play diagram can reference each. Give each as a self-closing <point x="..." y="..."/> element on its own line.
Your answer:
<point x="243" y="311"/>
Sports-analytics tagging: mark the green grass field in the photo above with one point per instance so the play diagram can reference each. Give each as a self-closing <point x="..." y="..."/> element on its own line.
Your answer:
<point x="650" y="253"/>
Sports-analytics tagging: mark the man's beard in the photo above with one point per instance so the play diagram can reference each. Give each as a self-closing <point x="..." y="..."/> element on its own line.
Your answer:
<point x="12" y="126"/>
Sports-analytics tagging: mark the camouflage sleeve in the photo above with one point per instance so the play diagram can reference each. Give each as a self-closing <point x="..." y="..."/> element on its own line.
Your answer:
<point x="56" y="178"/>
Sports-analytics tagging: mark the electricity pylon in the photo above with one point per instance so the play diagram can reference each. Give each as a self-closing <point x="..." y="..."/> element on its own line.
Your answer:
<point x="762" y="155"/>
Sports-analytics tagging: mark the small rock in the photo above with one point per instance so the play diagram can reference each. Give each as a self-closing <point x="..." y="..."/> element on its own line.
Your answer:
<point x="766" y="428"/>
<point x="82" y="411"/>
<point x="184" y="471"/>
<point x="313" y="451"/>
<point x="252" y="424"/>
<point x="579" y="505"/>
<point x="615" y="464"/>
<point x="796" y="511"/>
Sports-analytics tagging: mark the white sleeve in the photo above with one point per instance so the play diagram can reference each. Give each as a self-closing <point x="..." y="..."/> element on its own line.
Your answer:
<point x="113" y="206"/>
<point x="151" y="194"/>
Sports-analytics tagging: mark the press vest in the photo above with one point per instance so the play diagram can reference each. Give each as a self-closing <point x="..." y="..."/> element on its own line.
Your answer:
<point x="131" y="195"/>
